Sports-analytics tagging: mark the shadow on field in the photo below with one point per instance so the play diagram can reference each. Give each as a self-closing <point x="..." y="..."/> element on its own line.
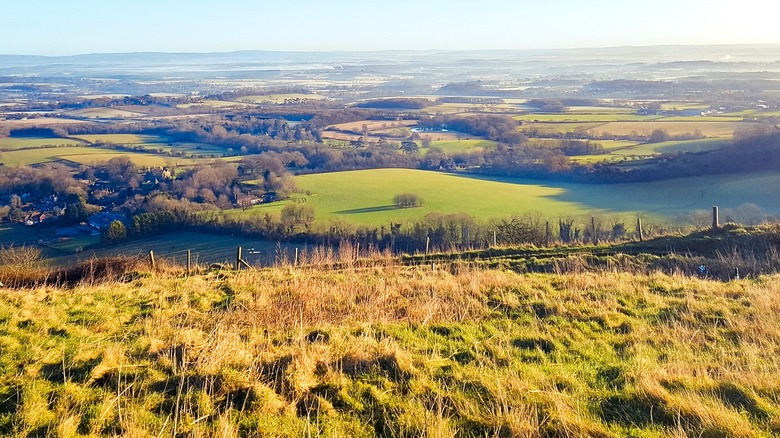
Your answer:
<point x="369" y="209"/>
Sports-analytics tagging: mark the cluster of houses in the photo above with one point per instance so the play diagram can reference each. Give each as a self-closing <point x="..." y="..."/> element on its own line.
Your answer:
<point x="37" y="212"/>
<point x="51" y="208"/>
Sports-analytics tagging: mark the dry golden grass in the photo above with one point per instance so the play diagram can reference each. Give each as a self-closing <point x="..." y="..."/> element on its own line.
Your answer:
<point x="381" y="349"/>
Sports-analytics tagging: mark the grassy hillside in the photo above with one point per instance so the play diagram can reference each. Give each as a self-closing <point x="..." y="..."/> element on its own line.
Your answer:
<point x="13" y="143"/>
<point x="366" y="196"/>
<point x="392" y="351"/>
<point x="81" y="155"/>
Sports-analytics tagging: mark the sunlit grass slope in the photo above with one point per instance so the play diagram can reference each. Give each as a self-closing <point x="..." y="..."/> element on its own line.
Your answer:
<point x="366" y="196"/>
<point x="392" y="351"/>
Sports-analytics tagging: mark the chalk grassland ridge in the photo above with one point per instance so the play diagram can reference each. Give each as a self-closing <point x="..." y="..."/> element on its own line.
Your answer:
<point x="392" y="351"/>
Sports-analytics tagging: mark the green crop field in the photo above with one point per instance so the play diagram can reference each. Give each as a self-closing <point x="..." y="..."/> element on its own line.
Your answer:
<point x="139" y="159"/>
<point x="716" y="118"/>
<point x="669" y="147"/>
<point x="44" y="155"/>
<point x="366" y="197"/>
<point x="583" y="117"/>
<point x="155" y="143"/>
<point x="597" y="158"/>
<point x="558" y="127"/>
<point x="193" y="148"/>
<point x="12" y="143"/>
<point x="124" y="138"/>
<point x="612" y="145"/>
<point x="706" y="127"/>
<point x="452" y="147"/>
<point x="84" y="155"/>
<point x="600" y="110"/>
<point x="672" y="106"/>
<point x="751" y="113"/>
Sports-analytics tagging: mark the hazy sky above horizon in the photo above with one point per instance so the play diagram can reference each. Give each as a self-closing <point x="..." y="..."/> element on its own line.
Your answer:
<point x="57" y="27"/>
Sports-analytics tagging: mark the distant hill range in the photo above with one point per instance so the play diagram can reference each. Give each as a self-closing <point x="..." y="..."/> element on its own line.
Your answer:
<point x="713" y="57"/>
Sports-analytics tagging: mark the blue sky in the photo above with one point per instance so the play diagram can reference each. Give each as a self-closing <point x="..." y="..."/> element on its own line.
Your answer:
<point x="63" y="27"/>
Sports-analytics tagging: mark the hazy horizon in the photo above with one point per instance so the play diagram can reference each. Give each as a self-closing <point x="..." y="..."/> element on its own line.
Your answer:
<point x="51" y="28"/>
<point x="411" y="50"/>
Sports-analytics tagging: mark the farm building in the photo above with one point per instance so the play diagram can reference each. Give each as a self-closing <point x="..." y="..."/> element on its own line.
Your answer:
<point x="101" y="221"/>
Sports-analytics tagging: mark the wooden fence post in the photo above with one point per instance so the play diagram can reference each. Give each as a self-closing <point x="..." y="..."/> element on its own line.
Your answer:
<point x="238" y="259"/>
<point x="494" y="239"/>
<point x="151" y="260"/>
<point x="593" y="237"/>
<point x="296" y="256"/>
<point x="639" y="229"/>
<point x="427" y="244"/>
<point x="189" y="262"/>
<point x="715" y="218"/>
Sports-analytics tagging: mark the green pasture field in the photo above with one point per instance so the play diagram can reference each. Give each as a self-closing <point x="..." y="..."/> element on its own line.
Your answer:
<point x="544" y="142"/>
<point x="154" y="143"/>
<point x="751" y="113"/>
<point x="14" y="234"/>
<point x="139" y="159"/>
<point x="150" y="142"/>
<point x="669" y="147"/>
<point x="608" y="145"/>
<point x="45" y="155"/>
<point x="193" y="148"/>
<point x="366" y="197"/>
<point x="583" y="117"/>
<point x="72" y="245"/>
<point x="597" y="158"/>
<point x="124" y="138"/>
<point x="612" y="145"/>
<point x="600" y="110"/>
<point x="453" y="147"/>
<point x="672" y="106"/>
<point x="716" y="118"/>
<point x="559" y="127"/>
<point x="706" y="127"/>
<point x="13" y="143"/>
<point x="84" y="155"/>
